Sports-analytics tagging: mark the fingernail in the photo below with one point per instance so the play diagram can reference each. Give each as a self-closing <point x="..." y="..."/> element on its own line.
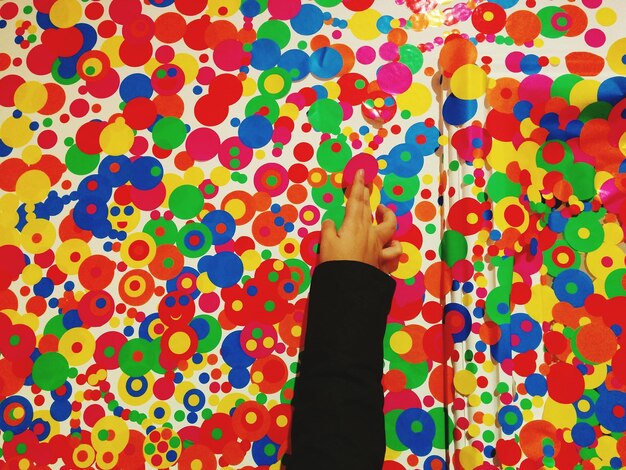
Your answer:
<point x="361" y="172"/>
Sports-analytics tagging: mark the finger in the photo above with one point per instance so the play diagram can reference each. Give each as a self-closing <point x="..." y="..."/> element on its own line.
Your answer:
<point x="354" y="205"/>
<point x="329" y="231"/>
<point x="387" y="224"/>
<point x="366" y="210"/>
<point x="390" y="256"/>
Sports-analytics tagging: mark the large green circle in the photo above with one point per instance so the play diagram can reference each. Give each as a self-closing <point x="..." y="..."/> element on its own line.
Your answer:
<point x="50" y="371"/>
<point x="186" y="201"/>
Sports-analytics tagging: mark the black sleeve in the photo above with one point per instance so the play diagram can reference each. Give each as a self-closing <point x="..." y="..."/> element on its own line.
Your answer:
<point x="338" y="398"/>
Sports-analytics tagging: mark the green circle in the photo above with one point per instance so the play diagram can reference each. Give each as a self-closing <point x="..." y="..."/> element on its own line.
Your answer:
<point x="614" y="284"/>
<point x="282" y="73"/>
<point x="179" y="416"/>
<point x="169" y="132"/>
<point x="584" y="232"/>
<point x="269" y="306"/>
<point x="50" y="371"/>
<point x="333" y="154"/>
<point x="266" y="254"/>
<point x="276" y="30"/>
<point x="62" y="80"/>
<point x="136" y="357"/>
<point x="163" y="231"/>
<point x="401" y="189"/>
<point x="261" y="398"/>
<point x="546" y="15"/>
<point x="412" y="57"/>
<point x="79" y="162"/>
<point x="213" y="337"/>
<point x="328" y="3"/>
<point x="453" y="247"/>
<point x="149" y="448"/>
<point x="269" y="449"/>
<point x="21" y="448"/>
<point x="194" y="252"/>
<point x="217" y="434"/>
<point x="186" y="201"/>
<point x="273" y="276"/>
<point x="326" y="115"/>
<point x="265" y="105"/>
<point x="431" y="228"/>
<point x="328" y="196"/>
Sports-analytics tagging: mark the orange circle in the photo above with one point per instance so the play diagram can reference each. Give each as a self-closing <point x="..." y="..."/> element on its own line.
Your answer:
<point x="297" y="194"/>
<point x="523" y="26"/>
<point x="425" y="211"/>
<point x="596" y="342"/>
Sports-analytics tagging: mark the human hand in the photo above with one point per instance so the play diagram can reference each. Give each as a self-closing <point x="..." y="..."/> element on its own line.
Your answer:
<point x="358" y="239"/>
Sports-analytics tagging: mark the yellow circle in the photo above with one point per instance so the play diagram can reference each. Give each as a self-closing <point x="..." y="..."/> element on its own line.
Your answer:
<point x="70" y="254"/>
<point x="615" y="56"/>
<point x="606" y="16"/>
<point x="30" y="97"/>
<point x="220" y="176"/>
<point x="179" y="342"/>
<point x="410" y="262"/>
<point x="274" y="84"/>
<point x="223" y="8"/>
<point x="16" y="132"/>
<point x="38" y="236"/>
<point x="146" y="240"/>
<point x="189" y="66"/>
<point x="417" y="99"/>
<point x="33" y="186"/>
<point x="470" y="457"/>
<point x="363" y="24"/>
<point x="236" y="208"/>
<point x="116" y="138"/>
<point x="89" y="456"/>
<point x="66" y="13"/>
<point x="77" y="345"/>
<point x="31" y="154"/>
<point x="469" y="82"/>
<point x="32" y="274"/>
<point x="117" y="431"/>
<point x="401" y="342"/>
<point x="464" y="382"/>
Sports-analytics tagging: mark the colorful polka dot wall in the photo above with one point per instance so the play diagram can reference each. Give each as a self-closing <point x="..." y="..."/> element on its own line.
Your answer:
<point x="165" y="166"/>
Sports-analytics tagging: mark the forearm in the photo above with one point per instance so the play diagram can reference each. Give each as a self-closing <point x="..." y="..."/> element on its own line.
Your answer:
<point x="338" y="418"/>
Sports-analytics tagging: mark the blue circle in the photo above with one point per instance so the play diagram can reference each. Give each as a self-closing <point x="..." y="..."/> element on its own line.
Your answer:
<point x="457" y="111"/>
<point x="255" y="131"/>
<point x="326" y="62"/>
<point x="308" y="21"/>
<point x="296" y="63"/>
<point x="134" y="86"/>
<point x="265" y="54"/>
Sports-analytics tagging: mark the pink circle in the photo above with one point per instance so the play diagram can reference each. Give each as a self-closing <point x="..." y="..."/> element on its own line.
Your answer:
<point x="284" y="9"/>
<point x="394" y="78"/>
<point x="513" y="61"/>
<point x="202" y="144"/>
<point x="365" y="55"/>
<point x="592" y="3"/>
<point x="205" y="75"/>
<point x="389" y="51"/>
<point x="365" y="161"/>
<point x="595" y="37"/>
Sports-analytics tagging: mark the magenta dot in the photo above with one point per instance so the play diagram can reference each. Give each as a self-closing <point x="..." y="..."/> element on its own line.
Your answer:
<point x="389" y="51"/>
<point x="336" y="34"/>
<point x="595" y="37"/>
<point x="365" y="55"/>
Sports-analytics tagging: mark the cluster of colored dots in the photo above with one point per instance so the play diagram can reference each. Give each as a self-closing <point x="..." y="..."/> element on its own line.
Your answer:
<point x="164" y="169"/>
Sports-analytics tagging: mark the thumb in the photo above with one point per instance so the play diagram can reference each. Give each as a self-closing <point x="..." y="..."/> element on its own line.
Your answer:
<point x="329" y="230"/>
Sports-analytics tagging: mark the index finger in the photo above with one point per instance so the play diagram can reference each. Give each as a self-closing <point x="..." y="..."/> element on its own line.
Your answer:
<point x="354" y="204"/>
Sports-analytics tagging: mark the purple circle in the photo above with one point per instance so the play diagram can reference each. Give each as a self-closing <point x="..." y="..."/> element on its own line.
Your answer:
<point x="394" y="78"/>
<point x="595" y="37"/>
<point x="365" y="55"/>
